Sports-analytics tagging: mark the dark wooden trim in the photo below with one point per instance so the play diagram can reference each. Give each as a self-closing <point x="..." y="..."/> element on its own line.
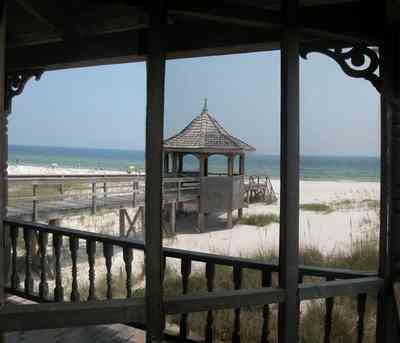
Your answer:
<point x="351" y="287"/>
<point x="154" y="170"/>
<point x="3" y="156"/>
<point x="389" y="246"/>
<point x="61" y="315"/>
<point x="222" y="300"/>
<point x="289" y="205"/>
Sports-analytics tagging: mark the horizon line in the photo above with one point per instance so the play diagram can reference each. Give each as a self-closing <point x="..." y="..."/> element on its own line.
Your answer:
<point x="142" y="150"/>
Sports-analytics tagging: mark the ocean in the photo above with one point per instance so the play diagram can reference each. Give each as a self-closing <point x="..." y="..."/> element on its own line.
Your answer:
<point x="311" y="167"/>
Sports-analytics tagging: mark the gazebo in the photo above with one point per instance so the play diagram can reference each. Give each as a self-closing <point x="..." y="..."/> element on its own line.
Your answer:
<point x="204" y="137"/>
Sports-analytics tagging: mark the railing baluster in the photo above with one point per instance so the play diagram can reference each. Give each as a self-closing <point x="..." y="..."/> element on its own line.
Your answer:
<point x="237" y="284"/>
<point x="73" y="247"/>
<point x="91" y="252"/>
<point x="266" y="282"/>
<point x="14" y="245"/>
<point x="210" y="275"/>
<point x="108" y="252"/>
<point x="28" y="238"/>
<point x="58" y="289"/>
<point x="186" y="265"/>
<point x="329" y="303"/>
<point x="43" y="285"/>
<point x="128" y="258"/>
<point x="361" y="302"/>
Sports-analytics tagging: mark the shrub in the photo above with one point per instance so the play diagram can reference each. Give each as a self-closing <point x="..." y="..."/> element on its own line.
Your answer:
<point x="260" y="219"/>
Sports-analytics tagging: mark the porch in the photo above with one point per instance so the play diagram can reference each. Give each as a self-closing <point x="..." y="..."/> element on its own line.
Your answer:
<point x="362" y="37"/>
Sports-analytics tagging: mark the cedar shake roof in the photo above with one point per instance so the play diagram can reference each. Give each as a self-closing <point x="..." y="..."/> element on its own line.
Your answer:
<point x="205" y="134"/>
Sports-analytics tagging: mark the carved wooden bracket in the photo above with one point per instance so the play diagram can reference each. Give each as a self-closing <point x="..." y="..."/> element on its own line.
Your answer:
<point x="358" y="62"/>
<point x="15" y="84"/>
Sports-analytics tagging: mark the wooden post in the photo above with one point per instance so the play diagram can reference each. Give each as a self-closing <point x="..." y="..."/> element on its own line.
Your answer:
<point x="389" y="246"/>
<point x="174" y="162"/>
<point x="154" y="146"/>
<point x="241" y="173"/>
<point x="201" y="217"/>
<point x="289" y="224"/>
<point x="229" y="218"/>
<point x="3" y="159"/>
<point x="105" y="189"/>
<point x="94" y="204"/>
<point x="122" y="224"/>
<point x="34" y="203"/>
<point x="180" y="163"/>
<point x="166" y="162"/>
<point x="172" y="216"/>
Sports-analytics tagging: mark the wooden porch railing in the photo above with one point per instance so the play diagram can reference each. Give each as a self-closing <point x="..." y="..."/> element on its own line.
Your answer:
<point x="29" y="239"/>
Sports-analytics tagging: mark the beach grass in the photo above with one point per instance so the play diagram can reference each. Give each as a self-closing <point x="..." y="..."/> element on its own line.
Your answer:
<point x="317" y="207"/>
<point x="260" y="219"/>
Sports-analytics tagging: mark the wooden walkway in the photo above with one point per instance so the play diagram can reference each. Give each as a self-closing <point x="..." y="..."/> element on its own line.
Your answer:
<point x="45" y="198"/>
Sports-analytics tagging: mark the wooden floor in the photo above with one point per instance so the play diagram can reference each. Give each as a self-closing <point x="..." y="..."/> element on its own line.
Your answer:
<point x="115" y="333"/>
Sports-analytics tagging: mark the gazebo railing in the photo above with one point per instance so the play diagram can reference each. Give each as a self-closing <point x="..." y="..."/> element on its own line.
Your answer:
<point x="32" y="244"/>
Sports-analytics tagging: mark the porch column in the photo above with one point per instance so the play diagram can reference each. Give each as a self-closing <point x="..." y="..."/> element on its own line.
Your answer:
<point x="289" y="223"/>
<point x="241" y="173"/>
<point x="154" y="146"/>
<point x="229" y="220"/>
<point x="3" y="157"/>
<point x="389" y="247"/>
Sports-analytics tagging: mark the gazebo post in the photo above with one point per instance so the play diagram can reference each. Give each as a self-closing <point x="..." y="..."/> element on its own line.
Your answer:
<point x="201" y="216"/>
<point x="166" y="162"/>
<point x="229" y="223"/>
<point x="180" y="163"/>
<point x="241" y="173"/>
<point x="174" y="162"/>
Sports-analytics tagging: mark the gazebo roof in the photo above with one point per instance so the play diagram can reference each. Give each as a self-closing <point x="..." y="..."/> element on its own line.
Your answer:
<point x="205" y="134"/>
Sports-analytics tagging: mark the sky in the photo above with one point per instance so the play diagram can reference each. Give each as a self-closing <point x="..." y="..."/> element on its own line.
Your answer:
<point x="104" y="107"/>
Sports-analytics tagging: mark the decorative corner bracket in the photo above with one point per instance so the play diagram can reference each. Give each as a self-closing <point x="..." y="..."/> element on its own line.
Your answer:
<point x="15" y="84"/>
<point x="358" y="61"/>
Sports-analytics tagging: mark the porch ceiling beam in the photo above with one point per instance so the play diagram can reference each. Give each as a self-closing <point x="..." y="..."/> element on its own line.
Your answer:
<point x="130" y="47"/>
<point x="53" y="14"/>
<point x="320" y="21"/>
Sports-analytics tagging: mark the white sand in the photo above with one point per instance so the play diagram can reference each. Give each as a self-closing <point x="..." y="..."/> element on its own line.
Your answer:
<point x="38" y="170"/>
<point x="327" y="232"/>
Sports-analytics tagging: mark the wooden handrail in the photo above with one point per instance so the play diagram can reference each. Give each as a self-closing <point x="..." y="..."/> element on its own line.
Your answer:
<point x="337" y="273"/>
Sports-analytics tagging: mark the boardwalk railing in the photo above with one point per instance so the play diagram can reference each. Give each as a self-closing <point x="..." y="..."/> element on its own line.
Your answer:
<point x="48" y="197"/>
<point x="46" y="266"/>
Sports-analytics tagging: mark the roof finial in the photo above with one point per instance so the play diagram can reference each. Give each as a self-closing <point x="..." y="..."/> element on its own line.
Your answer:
<point x="205" y="107"/>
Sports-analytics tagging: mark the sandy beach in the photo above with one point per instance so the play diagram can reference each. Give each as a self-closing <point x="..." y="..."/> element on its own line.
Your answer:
<point x="328" y="232"/>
